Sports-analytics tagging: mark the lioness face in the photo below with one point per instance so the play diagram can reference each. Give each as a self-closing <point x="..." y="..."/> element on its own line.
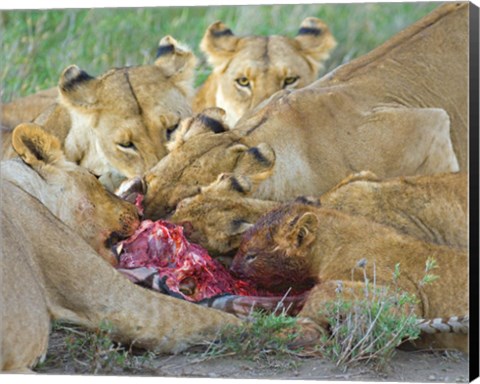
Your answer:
<point x="132" y="132"/>
<point x="261" y="66"/>
<point x="275" y="253"/>
<point x="249" y="70"/>
<point x="185" y="170"/>
<point x="69" y="191"/>
<point x="122" y="121"/>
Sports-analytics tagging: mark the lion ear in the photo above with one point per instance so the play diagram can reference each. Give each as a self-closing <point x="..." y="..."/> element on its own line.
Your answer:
<point x="210" y="120"/>
<point x="238" y="227"/>
<point x="257" y="163"/>
<point x="229" y="183"/>
<point x="175" y="60"/>
<point x="35" y="146"/>
<point x="316" y="41"/>
<point x="218" y="43"/>
<point x="308" y="200"/>
<point x="77" y="86"/>
<point x="304" y="230"/>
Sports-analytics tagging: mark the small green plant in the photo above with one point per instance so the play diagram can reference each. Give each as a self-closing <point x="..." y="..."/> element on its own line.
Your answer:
<point x="370" y="327"/>
<point x="429" y="277"/>
<point x="95" y="352"/>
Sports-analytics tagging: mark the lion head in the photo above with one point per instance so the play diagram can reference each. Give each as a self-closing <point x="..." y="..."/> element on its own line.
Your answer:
<point x="69" y="191"/>
<point x="122" y="120"/>
<point x="248" y="70"/>
<point x="275" y="253"/>
<point x="217" y="217"/>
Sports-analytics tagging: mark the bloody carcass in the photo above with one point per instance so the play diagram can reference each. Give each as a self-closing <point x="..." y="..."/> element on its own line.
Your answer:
<point x="158" y="256"/>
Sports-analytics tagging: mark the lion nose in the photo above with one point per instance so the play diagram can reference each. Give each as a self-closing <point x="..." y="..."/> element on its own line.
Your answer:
<point x="131" y="188"/>
<point x="236" y="269"/>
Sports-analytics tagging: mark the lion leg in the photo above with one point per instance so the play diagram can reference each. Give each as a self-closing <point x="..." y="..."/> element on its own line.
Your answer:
<point x="422" y="133"/>
<point x="89" y="291"/>
<point x="315" y="309"/>
<point x="81" y="287"/>
<point x="25" y="321"/>
<point x="313" y="319"/>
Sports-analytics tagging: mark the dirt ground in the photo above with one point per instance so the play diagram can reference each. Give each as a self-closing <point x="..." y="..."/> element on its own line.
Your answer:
<point x="407" y="366"/>
<point x="413" y="366"/>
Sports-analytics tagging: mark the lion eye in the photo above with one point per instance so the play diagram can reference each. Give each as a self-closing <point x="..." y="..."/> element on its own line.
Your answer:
<point x="250" y="257"/>
<point x="290" y="80"/>
<point x="243" y="82"/>
<point x="127" y="145"/>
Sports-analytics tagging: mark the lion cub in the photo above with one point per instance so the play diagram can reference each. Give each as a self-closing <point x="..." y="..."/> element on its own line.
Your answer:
<point x="248" y="70"/>
<point x="300" y="245"/>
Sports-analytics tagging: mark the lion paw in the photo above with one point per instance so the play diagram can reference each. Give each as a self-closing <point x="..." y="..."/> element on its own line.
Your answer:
<point x="309" y="335"/>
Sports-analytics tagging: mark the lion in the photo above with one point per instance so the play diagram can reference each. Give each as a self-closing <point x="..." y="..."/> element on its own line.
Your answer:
<point x="248" y="70"/>
<point x="372" y="113"/>
<point x="117" y="125"/>
<point x="51" y="270"/>
<point x="432" y="208"/>
<point x="302" y="246"/>
<point x="220" y="213"/>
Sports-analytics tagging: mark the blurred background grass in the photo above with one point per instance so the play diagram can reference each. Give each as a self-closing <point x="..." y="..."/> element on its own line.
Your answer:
<point x="38" y="44"/>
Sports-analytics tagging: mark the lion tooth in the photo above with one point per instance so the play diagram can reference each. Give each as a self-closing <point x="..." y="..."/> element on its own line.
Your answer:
<point x="119" y="248"/>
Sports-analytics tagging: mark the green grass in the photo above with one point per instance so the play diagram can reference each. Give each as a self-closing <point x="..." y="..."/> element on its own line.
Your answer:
<point x="267" y="339"/>
<point x="370" y="327"/>
<point x="366" y="328"/>
<point x="38" y="45"/>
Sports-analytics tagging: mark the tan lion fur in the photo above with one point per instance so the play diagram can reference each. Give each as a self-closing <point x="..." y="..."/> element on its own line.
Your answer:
<point x="50" y="270"/>
<point x="27" y="108"/>
<point x="220" y="213"/>
<point x="398" y="110"/>
<point x="198" y="154"/>
<point x="430" y="208"/>
<point x="117" y="125"/>
<point x="395" y="111"/>
<point x="70" y="192"/>
<point x="248" y="70"/>
<point x="299" y="244"/>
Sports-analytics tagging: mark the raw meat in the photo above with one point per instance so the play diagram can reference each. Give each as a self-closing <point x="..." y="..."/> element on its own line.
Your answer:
<point x="159" y="257"/>
<point x="184" y="268"/>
